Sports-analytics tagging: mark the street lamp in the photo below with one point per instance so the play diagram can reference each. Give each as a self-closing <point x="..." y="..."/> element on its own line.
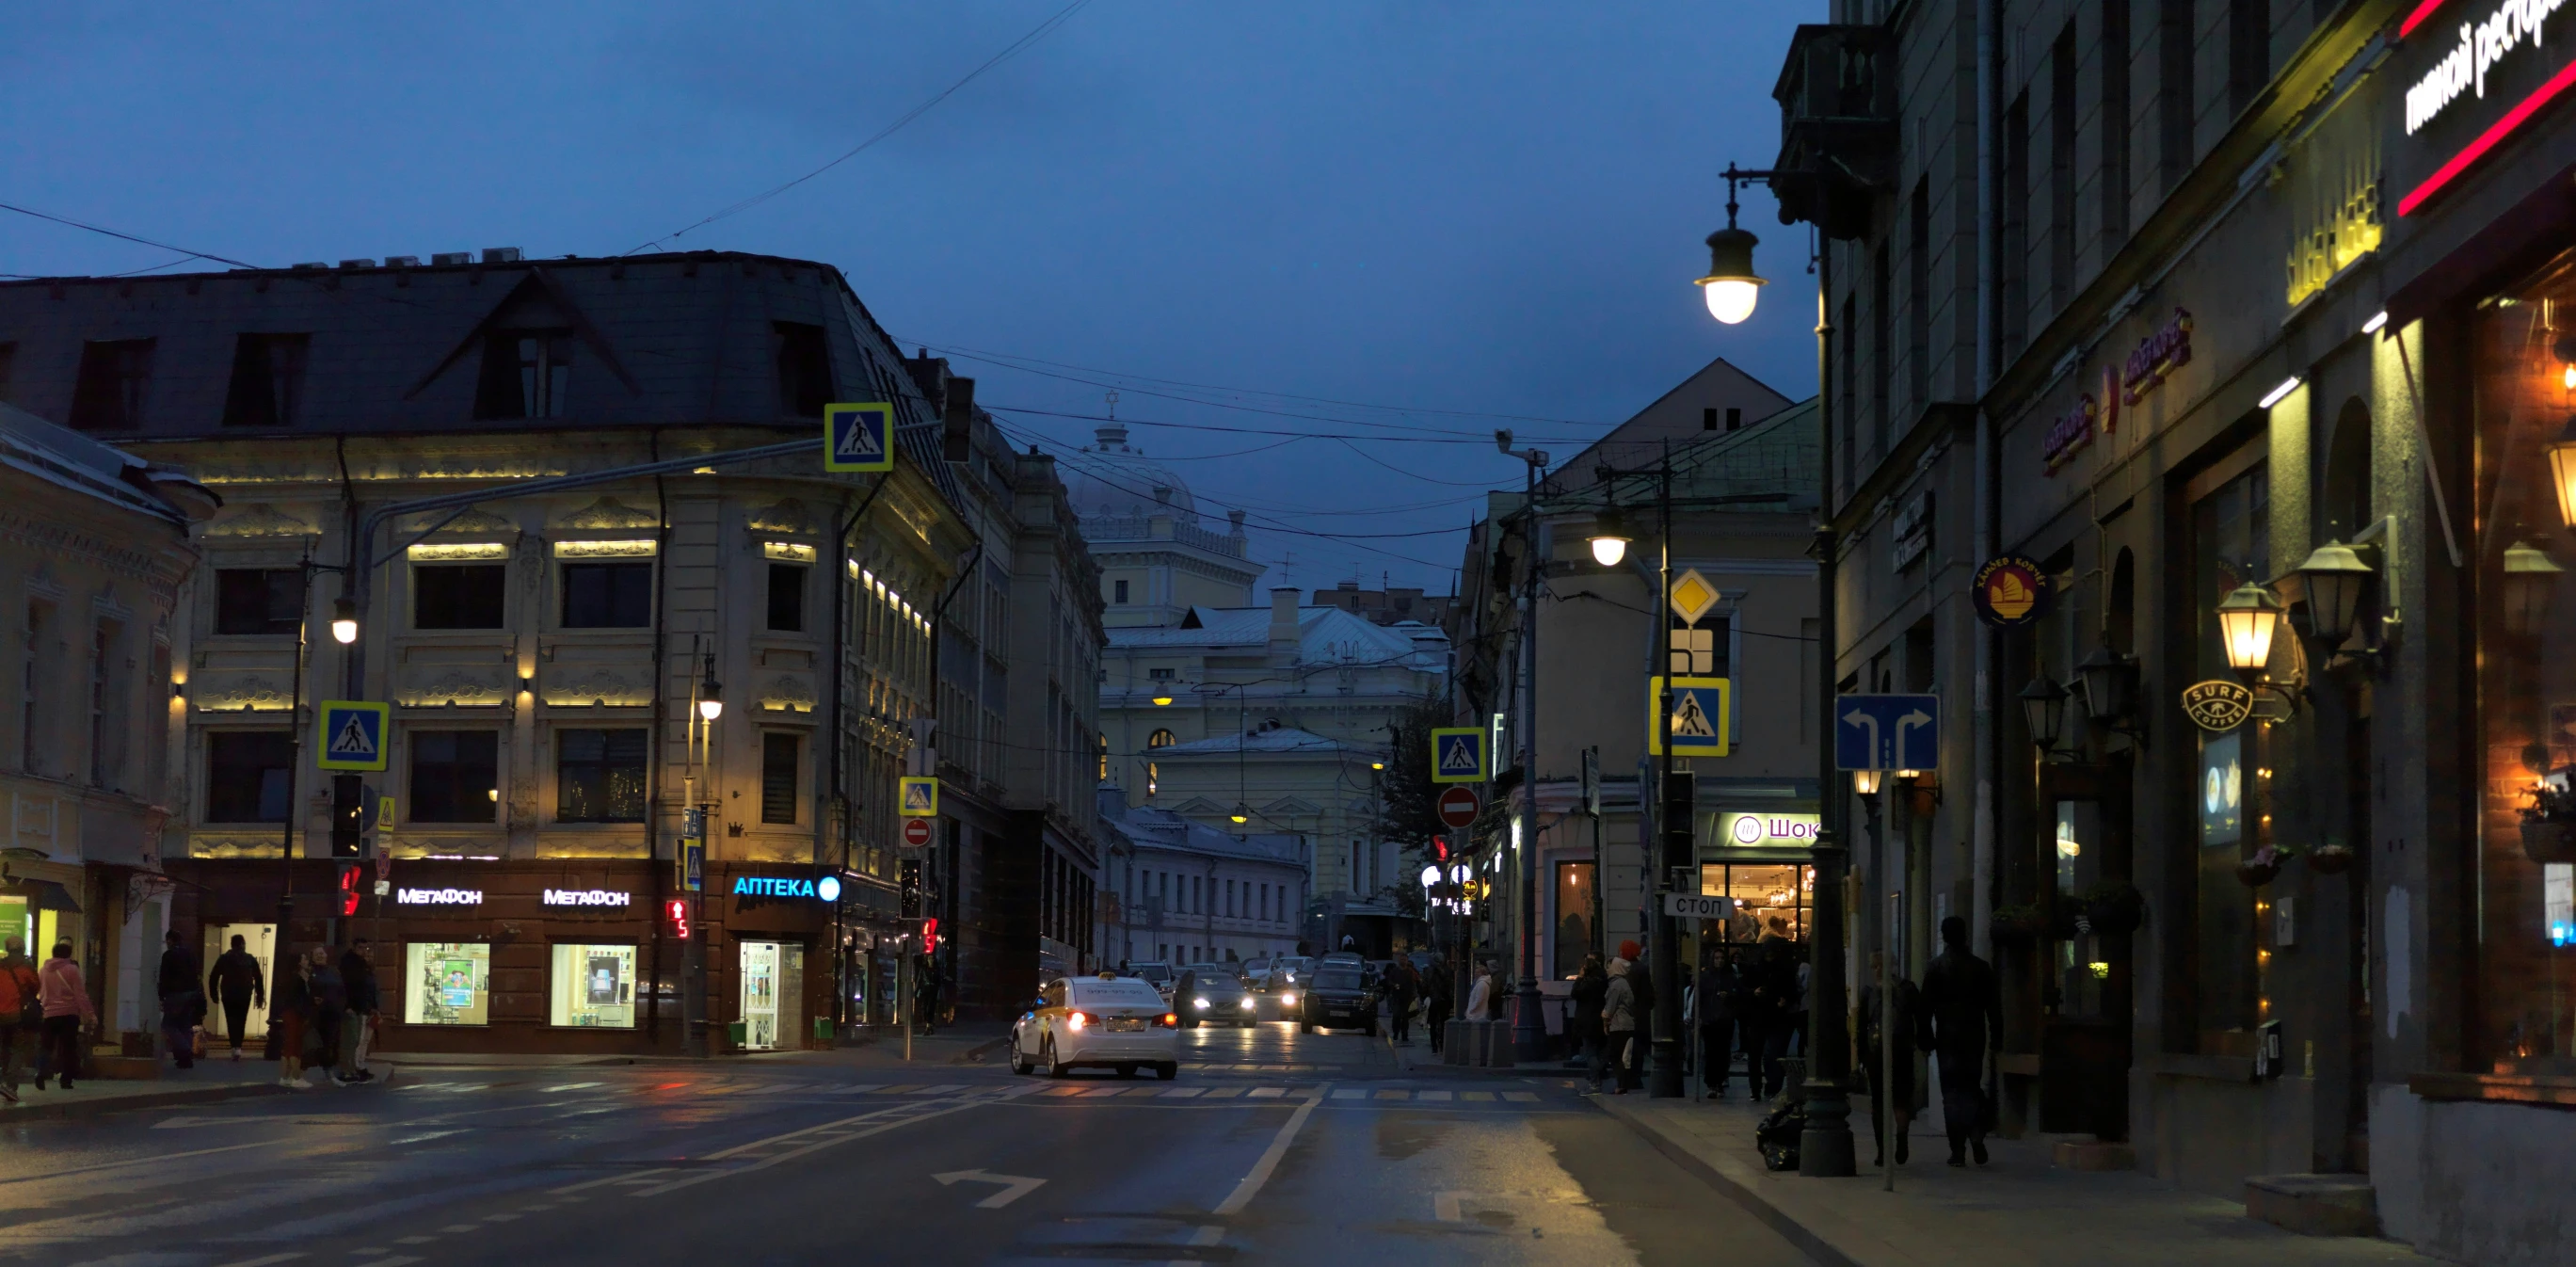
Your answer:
<point x="1242" y="812"/>
<point x="2562" y="473"/>
<point x="710" y="693"/>
<point x="2529" y="577"/>
<point x="1162" y="701"/>
<point x="2247" y="618"/>
<point x="2043" y="709"/>
<point x="1731" y="287"/>
<point x="344" y="620"/>
<point x="1609" y="539"/>
<point x="2110" y="685"/>
<point x="1866" y="782"/>
<point x="2334" y="577"/>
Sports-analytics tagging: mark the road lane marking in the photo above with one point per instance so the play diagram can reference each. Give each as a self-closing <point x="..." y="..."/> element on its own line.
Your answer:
<point x="832" y="1133"/>
<point x="1266" y="1093"/>
<point x="414" y="1240"/>
<point x="1480" y="1097"/>
<point x="574" y="1086"/>
<point x="1224" y="1093"/>
<point x="499" y="1218"/>
<point x="1434" y="1095"/>
<point x="459" y="1227"/>
<point x="949" y="1088"/>
<point x="1262" y="1169"/>
<point x="903" y="1088"/>
<point x="404" y="1260"/>
<point x="1014" y="1187"/>
<point x="1522" y="1097"/>
<point x="264" y="1262"/>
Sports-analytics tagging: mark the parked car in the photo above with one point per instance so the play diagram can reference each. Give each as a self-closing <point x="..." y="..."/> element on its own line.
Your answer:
<point x="1286" y="971"/>
<point x="1256" y="974"/>
<point x="1108" y="1021"/>
<point x="1210" y="994"/>
<point x="1335" y="998"/>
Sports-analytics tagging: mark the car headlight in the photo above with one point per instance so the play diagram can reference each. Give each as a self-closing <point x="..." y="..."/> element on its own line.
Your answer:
<point x="1200" y="1004"/>
<point x="1287" y="1000"/>
<point x="1247" y="1003"/>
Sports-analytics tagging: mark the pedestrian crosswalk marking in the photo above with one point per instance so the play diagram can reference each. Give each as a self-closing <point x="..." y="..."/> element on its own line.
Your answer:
<point x="1520" y="1096"/>
<point x="1184" y="1093"/>
<point x="1481" y="1096"/>
<point x="1435" y="1095"/>
<point x="1350" y="1093"/>
<point x="1266" y="1093"/>
<point x="942" y="1089"/>
<point x="1392" y="1095"/>
<point x="1224" y="1093"/>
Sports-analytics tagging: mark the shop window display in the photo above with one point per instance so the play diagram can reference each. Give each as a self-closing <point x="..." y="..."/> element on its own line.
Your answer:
<point x="594" y="986"/>
<point x="2231" y="545"/>
<point x="447" y="983"/>
<point x="1769" y="898"/>
<point x="2523" y="344"/>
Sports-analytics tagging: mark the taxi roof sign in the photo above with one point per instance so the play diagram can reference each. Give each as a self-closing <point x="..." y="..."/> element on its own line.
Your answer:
<point x="1458" y="755"/>
<point x="353" y="735"/>
<point x="858" y="437"/>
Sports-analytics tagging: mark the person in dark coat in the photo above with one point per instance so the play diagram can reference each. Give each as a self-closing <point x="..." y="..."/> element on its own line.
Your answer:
<point x="291" y="1016"/>
<point x="1963" y="1017"/>
<point x="1714" y="1011"/>
<point x="236" y="983"/>
<point x="330" y="1009"/>
<point x="1770" y="978"/>
<point x="358" y="979"/>
<point x="1591" y="988"/>
<point x="1436" y="996"/>
<point x="183" y="1002"/>
<point x="1641" y="982"/>
<point x="1876" y="1030"/>
<point x="1401" y="982"/>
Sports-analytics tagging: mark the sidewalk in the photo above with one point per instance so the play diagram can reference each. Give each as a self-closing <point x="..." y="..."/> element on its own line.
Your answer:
<point x="211" y="1080"/>
<point x="2018" y="1212"/>
<point x="972" y="1042"/>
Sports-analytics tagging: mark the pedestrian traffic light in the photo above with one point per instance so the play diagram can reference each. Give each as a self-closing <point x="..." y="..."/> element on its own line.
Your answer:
<point x="930" y="935"/>
<point x="345" y="813"/>
<point x="349" y="874"/>
<point x="909" y="875"/>
<point x="678" y="910"/>
<point x="1439" y="849"/>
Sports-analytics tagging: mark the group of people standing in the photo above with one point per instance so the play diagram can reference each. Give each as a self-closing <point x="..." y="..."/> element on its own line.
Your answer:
<point x="325" y="1016"/>
<point x="46" y="1008"/>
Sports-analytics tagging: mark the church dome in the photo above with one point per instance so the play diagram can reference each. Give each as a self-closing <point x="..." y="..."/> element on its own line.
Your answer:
<point x="1111" y="480"/>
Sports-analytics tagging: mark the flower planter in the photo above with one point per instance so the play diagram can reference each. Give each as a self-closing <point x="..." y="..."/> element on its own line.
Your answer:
<point x="2330" y="859"/>
<point x="2254" y="873"/>
<point x="2114" y="916"/>
<point x="2544" y="841"/>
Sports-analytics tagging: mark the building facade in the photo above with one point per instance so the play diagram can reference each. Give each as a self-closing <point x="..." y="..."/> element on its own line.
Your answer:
<point x="611" y="631"/>
<point x="1181" y="892"/>
<point x="2212" y="312"/>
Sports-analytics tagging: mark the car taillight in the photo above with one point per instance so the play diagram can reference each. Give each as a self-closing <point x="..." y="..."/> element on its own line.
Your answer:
<point x="1171" y="1020"/>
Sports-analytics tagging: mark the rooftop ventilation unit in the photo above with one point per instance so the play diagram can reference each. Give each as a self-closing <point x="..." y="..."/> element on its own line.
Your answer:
<point x="309" y="264"/>
<point x="402" y="261"/>
<point x="444" y="258"/>
<point x="357" y="263"/>
<point x="500" y="255"/>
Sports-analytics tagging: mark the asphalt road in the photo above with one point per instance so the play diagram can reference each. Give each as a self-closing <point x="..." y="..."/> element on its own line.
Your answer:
<point x="1271" y="1147"/>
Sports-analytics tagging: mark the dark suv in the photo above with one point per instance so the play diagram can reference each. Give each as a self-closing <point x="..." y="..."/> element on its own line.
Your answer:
<point x="1336" y="998"/>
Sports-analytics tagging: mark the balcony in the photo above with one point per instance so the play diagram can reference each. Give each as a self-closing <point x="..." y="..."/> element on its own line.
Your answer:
<point x="1838" y="127"/>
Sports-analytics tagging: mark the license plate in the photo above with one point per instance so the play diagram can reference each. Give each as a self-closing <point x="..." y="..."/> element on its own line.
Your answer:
<point x="1126" y="1024"/>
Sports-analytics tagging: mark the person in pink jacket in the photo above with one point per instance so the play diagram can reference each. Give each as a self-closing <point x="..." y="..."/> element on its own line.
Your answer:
<point x="68" y="1011"/>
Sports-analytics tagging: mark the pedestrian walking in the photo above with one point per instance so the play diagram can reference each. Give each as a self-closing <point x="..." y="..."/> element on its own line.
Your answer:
<point x="22" y="1014"/>
<point x="330" y="1009"/>
<point x="1641" y="983"/>
<point x="1401" y="982"/>
<point x="291" y="1016"/>
<point x="183" y="1002"/>
<point x="237" y="983"/>
<point x="1714" y="1005"/>
<point x="358" y="1032"/>
<point x="925" y="998"/>
<point x="1436" y="998"/>
<point x="1619" y="1017"/>
<point x="1876" y="1031"/>
<point x="1769" y="1019"/>
<point x="1591" y="991"/>
<point x="68" y="1012"/>
<point x="1963" y="1013"/>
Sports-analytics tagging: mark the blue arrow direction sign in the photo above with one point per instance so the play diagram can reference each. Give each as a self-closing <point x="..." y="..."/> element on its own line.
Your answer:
<point x="1887" y="732"/>
<point x="353" y="735"/>
<point x="1458" y="755"/>
<point x="858" y="437"/>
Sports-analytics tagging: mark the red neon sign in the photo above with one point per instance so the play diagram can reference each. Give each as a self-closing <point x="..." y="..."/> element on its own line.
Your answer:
<point x="2489" y="139"/>
<point x="2416" y="19"/>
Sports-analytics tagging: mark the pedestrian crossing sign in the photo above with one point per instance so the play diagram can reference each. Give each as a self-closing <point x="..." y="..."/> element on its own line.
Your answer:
<point x="1703" y="715"/>
<point x="353" y="735"/>
<point x="858" y="437"/>
<point x="1458" y="755"/>
<point x="920" y="797"/>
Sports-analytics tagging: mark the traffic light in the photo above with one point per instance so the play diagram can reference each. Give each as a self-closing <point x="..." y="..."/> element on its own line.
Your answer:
<point x="930" y="935"/>
<point x="345" y="815"/>
<point x="909" y="874"/>
<point x="1439" y="849"/>
<point x="349" y="876"/>
<point x="678" y="911"/>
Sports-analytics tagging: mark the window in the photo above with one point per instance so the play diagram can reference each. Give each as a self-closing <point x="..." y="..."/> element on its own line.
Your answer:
<point x="455" y="776"/>
<point x="447" y="983"/>
<point x="2249" y="51"/>
<point x="1159" y="675"/>
<point x="31" y="731"/>
<point x="259" y="600"/>
<point x="1708" y="418"/>
<point x="1161" y="739"/>
<point x="1734" y="417"/>
<point x="459" y="595"/>
<point x="2115" y="124"/>
<point x="246" y="775"/>
<point x="1104" y="758"/>
<point x="2231" y="546"/>
<point x="1121" y="590"/>
<point x="2061" y="167"/>
<point x="804" y="370"/>
<point x="599" y="776"/>
<point x="594" y="987"/>
<point x="1882" y="349"/>
<point x="2173" y="90"/>
<point x="1918" y="295"/>
<point x="101" y="704"/>
<point x="1574" y="897"/>
<point x="268" y="380"/>
<point x="2013" y="305"/>
<point x="607" y="595"/>
<point x="108" y="396"/>
<point x="1153" y="778"/>
<point x="778" y="767"/>
<point x="525" y="373"/>
<point x="8" y="364"/>
<point x="787" y="597"/>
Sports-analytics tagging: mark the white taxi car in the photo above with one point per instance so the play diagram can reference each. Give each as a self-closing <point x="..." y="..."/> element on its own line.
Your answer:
<point x="1102" y="1022"/>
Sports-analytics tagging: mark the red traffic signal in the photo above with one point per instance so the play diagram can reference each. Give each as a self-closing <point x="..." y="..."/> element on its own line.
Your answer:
<point x="930" y="934"/>
<point x="349" y="873"/>
<point x="678" y="909"/>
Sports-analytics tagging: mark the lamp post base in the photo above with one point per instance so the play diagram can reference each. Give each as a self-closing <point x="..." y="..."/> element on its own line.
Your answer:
<point x="1663" y="1068"/>
<point x="1528" y="1037"/>
<point x="1825" y="1147"/>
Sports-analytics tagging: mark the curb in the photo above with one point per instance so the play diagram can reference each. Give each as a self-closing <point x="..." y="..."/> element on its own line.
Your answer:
<point x="26" y="1112"/>
<point x="1808" y="1241"/>
<point x="976" y="1053"/>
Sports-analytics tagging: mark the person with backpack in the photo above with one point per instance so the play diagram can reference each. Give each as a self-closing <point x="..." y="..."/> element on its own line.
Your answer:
<point x="237" y="982"/>
<point x="68" y="1012"/>
<point x="22" y="1015"/>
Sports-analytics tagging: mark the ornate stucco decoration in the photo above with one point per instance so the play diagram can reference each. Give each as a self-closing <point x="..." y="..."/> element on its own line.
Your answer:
<point x="787" y="692"/>
<point x="789" y="516"/>
<point x="607" y="514"/>
<point x="259" y="519"/>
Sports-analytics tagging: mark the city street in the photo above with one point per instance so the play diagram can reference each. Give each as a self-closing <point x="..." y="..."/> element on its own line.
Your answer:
<point x="1270" y="1147"/>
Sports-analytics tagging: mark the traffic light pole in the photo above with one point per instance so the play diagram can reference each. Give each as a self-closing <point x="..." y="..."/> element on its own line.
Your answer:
<point x="1674" y="810"/>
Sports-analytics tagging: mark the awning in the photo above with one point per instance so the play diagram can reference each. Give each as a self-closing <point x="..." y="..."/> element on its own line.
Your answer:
<point x="49" y="896"/>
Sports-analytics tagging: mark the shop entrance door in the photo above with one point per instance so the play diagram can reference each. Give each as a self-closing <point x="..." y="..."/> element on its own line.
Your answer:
<point x="760" y="965"/>
<point x="791" y="996"/>
<point x="2086" y="952"/>
<point x="260" y="942"/>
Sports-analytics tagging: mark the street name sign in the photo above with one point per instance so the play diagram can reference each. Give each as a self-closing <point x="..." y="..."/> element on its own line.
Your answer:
<point x="1458" y="755"/>
<point x="1457" y="806"/>
<point x="1703" y="712"/>
<point x="858" y="437"/>
<point x="1887" y="732"/>
<point x="353" y="735"/>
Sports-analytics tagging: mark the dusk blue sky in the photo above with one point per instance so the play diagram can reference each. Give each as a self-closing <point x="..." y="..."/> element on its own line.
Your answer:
<point x="1489" y="208"/>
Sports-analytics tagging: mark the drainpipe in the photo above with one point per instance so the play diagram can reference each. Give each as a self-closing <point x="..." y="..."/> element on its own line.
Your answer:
<point x="1986" y="735"/>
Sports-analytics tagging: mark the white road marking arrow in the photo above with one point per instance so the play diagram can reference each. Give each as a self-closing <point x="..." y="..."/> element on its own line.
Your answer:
<point x="1014" y="1187"/>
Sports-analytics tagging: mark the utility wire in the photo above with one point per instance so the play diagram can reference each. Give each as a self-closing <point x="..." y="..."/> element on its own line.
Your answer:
<point x="1013" y="49"/>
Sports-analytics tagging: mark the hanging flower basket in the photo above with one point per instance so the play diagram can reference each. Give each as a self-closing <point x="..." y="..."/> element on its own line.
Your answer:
<point x="2330" y="859"/>
<point x="2546" y="841"/>
<point x="2113" y="907"/>
<point x="2017" y="927"/>
<point x="2261" y="869"/>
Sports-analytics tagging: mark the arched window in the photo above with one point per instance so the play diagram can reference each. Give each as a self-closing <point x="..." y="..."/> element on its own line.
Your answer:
<point x="1162" y="739"/>
<point x="1153" y="779"/>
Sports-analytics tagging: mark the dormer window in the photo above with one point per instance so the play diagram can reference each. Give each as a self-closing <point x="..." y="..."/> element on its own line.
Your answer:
<point x="525" y="374"/>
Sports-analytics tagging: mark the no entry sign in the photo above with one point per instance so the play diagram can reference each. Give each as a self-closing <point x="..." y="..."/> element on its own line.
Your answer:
<point x="916" y="832"/>
<point x="1457" y="806"/>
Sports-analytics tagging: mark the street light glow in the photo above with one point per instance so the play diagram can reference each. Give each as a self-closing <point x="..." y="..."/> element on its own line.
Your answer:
<point x="344" y="621"/>
<point x="1731" y="287"/>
